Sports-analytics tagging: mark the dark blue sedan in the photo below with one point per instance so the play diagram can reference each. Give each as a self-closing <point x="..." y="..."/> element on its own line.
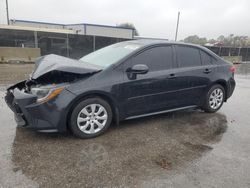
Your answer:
<point x="123" y="81"/>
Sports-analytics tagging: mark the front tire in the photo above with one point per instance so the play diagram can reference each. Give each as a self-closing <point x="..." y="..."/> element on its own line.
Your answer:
<point x="214" y="99"/>
<point x="90" y="118"/>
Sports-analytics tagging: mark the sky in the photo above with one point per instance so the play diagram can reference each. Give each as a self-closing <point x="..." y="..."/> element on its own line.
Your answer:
<point x="152" y="18"/>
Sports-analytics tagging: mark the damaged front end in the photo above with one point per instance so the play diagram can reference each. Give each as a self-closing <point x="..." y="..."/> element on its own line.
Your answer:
<point x="10" y="99"/>
<point x="39" y="107"/>
<point x="41" y="101"/>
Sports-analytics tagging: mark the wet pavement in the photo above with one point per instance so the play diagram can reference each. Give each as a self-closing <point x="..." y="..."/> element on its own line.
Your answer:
<point x="181" y="149"/>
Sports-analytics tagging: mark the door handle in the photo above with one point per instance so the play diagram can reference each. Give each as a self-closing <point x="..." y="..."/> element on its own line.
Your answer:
<point x="207" y="71"/>
<point x="172" y="76"/>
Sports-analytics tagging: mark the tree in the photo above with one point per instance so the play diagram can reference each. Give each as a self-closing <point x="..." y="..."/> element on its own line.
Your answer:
<point x="234" y="41"/>
<point x="211" y="41"/>
<point x="129" y="26"/>
<point x="230" y="41"/>
<point x="195" y="40"/>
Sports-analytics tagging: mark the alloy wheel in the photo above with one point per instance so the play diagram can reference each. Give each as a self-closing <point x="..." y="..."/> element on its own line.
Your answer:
<point x="216" y="98"/>
<point x="92" y="118"/>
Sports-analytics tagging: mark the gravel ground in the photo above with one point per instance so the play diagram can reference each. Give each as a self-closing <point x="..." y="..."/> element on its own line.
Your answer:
<point x="181" y="149"/>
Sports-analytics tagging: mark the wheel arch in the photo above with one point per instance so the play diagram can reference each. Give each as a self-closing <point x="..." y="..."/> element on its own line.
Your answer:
<point x="103" y="95"/>
<point x="223" y="83"/>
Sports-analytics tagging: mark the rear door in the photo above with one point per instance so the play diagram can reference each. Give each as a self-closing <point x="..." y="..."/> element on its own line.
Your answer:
<point x="193" y="72"/>
<point x="209" y="69"/>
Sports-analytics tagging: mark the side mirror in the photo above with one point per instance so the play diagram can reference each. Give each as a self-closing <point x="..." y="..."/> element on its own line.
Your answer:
<point x="138" y="69"/>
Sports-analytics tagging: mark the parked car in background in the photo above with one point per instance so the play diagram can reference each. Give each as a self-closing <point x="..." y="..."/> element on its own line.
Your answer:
<point x="123" y="81"/>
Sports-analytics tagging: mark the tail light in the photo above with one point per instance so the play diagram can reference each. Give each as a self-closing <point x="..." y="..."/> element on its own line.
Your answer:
<point x="232" y="69"/>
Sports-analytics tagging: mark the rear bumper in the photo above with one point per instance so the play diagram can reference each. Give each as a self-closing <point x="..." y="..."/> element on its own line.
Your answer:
<point x="231" y="87"/>
<point x="43" y="116"/>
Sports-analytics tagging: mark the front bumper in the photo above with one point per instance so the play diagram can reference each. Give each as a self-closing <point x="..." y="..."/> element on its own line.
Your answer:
<point x="39" y="116"/>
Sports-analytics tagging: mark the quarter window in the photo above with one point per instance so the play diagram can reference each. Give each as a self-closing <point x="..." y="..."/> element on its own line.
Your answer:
<point x="188" y="56"/>
<point x="157" y="58"/>
<point x="205" y="58"/>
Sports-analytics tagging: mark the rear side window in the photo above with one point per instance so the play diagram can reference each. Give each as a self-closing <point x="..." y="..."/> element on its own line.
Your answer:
<point x="206" y="59"/>
<point x="188" y="56"/>
<point x="157" y="58"/>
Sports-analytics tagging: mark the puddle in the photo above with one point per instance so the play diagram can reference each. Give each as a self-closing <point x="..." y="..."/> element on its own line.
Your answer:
<point x="189" y="149"/>
<point x="134" y="150"/>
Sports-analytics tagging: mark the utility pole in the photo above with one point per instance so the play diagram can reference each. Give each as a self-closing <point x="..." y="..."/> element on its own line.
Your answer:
<point x="7" y="11"/>
<point x="177" y="26"/>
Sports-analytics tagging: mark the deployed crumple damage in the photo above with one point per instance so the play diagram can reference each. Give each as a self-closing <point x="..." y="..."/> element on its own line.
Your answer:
<point x="55" y="69"/>
<point x="56" y="63"/>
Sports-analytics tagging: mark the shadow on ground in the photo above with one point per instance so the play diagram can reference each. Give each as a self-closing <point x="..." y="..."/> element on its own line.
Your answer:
<point x="126" y="155"/>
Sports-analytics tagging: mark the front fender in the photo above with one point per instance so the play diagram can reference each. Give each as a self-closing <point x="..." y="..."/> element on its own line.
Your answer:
<point x="97" y="93"/>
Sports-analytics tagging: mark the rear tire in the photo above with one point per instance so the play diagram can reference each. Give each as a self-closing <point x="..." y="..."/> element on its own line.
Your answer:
<point x="90" y="118"/>
<point x="214" y="99"/>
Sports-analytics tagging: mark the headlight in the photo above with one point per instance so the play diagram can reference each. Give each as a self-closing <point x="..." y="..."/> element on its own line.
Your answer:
<point x="46" y="94"/>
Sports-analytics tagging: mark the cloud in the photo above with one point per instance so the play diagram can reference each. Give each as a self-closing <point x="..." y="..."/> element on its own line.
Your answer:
<point x="153" y="18"/>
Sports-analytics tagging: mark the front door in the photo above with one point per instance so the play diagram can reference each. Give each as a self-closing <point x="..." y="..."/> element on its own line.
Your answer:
<point x="155" y="91"/>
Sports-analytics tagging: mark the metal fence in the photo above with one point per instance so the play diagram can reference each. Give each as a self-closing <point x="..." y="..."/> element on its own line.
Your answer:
<point x="69" y="45"/>
<point x="244" y="52"/>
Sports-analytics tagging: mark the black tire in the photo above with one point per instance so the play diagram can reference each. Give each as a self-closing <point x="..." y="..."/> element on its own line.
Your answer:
<point x="207" y="106"/>
<point x="76" y="111"/>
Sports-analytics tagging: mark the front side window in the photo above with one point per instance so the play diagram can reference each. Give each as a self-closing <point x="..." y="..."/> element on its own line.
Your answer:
<point x="157" y="58"/>
<point x="110" y="54"/>
<point x="188" y="56"/>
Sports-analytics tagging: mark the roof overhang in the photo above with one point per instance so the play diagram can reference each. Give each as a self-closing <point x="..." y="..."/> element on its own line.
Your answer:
<point x="27" y="28"/>
<point x="80" y="29"/>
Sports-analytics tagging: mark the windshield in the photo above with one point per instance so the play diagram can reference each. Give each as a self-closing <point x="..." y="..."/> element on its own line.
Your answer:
<point x="110" y="54"/>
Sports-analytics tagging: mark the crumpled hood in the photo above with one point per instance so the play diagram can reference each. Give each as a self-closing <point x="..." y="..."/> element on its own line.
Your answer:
<point x="52" y="62"/>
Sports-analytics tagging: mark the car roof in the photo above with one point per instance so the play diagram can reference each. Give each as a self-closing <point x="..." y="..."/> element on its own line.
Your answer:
<point x="149" y="42"/>
<point x="144" y="43"/>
